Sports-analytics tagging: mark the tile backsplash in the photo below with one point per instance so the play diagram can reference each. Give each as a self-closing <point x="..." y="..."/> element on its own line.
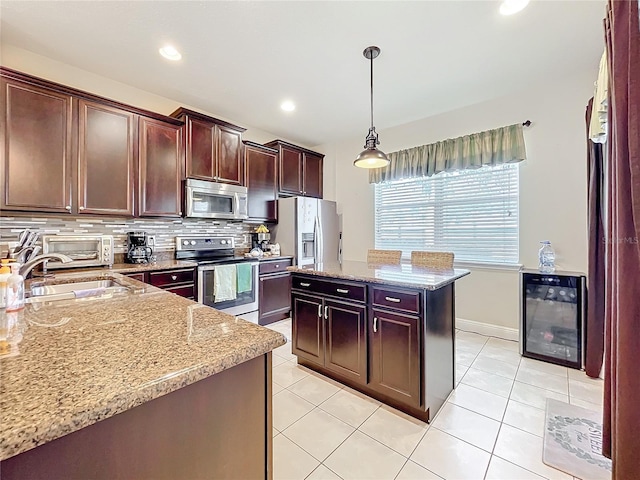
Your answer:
<point x="165" y="230"/>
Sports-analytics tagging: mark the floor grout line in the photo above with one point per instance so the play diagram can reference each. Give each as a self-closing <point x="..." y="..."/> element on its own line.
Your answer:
<point x="520" y="365"/>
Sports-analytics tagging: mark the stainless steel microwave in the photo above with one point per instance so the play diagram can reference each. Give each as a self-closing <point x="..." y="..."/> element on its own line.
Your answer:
<point x="215" y="200"/>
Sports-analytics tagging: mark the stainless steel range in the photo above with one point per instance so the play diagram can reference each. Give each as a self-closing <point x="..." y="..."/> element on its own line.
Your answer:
<point x="225" y="282"/>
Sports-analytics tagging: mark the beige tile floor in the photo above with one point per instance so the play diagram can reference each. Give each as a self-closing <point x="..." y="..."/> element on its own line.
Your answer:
<point x="490" y="428"/>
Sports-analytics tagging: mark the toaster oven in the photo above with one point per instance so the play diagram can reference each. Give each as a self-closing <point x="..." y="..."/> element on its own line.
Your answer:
<point x="84" y="250"/>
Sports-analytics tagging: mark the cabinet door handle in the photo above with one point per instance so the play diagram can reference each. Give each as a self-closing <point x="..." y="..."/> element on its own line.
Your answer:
<point x="375" y="324"/>
<point x="342" y="290"/>
<point x="319" y="311"/>
<point x="326" y="312"/>
<point x="392" y="299"/>
<point x="277" y="266"/>
<point x="68" y="207"/>
<point x="174" y="277"/>
<point x="80" y="208"/>
<point x="302" y="284"/>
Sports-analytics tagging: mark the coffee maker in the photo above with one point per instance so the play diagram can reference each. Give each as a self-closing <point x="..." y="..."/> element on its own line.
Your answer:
<point x="261" y="241"/>
<point x="139" y="247"/>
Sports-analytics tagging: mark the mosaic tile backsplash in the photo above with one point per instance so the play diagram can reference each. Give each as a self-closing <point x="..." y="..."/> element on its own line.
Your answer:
<point x="165" y="230"/>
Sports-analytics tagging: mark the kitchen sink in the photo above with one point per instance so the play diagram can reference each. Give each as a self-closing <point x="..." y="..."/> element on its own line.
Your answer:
<point x="66" y="291"/>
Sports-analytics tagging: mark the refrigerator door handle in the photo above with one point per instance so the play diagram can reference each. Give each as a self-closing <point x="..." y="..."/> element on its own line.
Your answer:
<point x="321" y="237"/>
<point x="317" y="239"/>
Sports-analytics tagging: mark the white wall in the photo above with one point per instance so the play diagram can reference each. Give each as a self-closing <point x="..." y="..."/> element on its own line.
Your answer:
<point x="44" y="67"/>
<point x="553" y="183"/>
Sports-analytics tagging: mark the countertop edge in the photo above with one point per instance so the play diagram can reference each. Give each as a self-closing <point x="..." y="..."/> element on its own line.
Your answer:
<point x="382" y="281"/>
<point x="26" y="439"/>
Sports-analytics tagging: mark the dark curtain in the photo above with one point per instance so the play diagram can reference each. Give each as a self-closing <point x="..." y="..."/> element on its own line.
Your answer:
<point x="597" y="235"/>
<point x="621" y="436"/>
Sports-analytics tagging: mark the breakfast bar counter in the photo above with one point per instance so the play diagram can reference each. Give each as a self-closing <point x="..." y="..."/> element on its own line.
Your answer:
<point x="152" y="363"/>
<point x="386" y="330"/>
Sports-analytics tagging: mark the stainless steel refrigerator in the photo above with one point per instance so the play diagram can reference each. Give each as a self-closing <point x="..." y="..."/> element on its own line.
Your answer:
<point x="308" y="228"/>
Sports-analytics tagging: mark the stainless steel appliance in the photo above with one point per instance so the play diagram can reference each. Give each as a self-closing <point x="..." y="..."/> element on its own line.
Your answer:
<point x="215" y="200"/>
<point x="139" y="247"/>
<point x="308" y="228"/>
<point x="84" y="250"/>
<point x="225" y="282"/>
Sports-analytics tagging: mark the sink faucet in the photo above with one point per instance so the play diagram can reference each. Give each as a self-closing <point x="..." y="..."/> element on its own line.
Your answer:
<point x="25" y="270"/>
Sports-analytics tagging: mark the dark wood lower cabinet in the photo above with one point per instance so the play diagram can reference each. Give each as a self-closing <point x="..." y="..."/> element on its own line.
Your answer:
<point x="178" y="281"/>
<point x="218" y="427"/>
<point x="331" y="334"/>
<point x="307" y="330"/>
<point x="394" y="344"/>
<point x="395" y="356"/>
<point x="346" y="340"/>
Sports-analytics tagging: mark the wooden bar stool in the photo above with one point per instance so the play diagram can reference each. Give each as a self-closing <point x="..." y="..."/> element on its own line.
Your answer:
<point x="437" y="260"/>
<point x="384" y="257"/>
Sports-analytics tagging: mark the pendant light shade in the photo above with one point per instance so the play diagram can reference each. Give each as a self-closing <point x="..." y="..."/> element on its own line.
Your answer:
<point x="371" y="157"/>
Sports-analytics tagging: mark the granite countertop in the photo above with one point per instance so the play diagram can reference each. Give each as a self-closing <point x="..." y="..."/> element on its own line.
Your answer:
<point x="83" y="360"/>
<point x="149" y="267"/>
<point x="403" y="275"/>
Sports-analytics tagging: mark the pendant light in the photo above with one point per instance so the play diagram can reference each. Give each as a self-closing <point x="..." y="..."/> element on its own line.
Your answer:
<point x="371" y="157"/>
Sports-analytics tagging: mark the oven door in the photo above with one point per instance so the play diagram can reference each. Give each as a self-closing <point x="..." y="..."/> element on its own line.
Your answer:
<point x="221" y="287"/>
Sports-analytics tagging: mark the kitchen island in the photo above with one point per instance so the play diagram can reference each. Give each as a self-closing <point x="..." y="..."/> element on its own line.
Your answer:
<point x="138" y="383"/>
<point x="385" y="330"/>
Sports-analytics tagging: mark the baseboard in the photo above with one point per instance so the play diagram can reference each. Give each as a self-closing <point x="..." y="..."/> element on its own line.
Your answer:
<point x="488" y="329"/>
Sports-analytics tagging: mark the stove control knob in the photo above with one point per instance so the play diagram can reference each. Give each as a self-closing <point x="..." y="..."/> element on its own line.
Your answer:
<point x="193" y="242"/>
<point x="223" y="242"/>
<point x="185" y="242"/>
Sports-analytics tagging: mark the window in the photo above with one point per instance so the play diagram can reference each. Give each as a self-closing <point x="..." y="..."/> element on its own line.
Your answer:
<point x="473" y="213"/>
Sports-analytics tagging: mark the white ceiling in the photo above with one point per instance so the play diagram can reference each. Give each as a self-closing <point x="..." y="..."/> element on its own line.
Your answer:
<point x="241" y="59"/>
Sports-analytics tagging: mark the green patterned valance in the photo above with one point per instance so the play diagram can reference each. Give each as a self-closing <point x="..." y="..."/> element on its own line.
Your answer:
<point x="493" y="147"/>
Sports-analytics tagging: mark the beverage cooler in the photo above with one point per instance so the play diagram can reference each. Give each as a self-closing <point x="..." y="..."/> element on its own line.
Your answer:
<point x="552" y="313"/>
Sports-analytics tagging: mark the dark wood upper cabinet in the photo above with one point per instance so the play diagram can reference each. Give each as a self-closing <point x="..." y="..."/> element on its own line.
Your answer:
<point x="312" y="174"/>
<point x="199" y="149"/>
<point x="160" y="158"/>
<point x="300" y="170"/>
<point x="36" y="148"/>
<point x="229" y="155"/>
<point x="214" y="148"/>
<point x="290" y="171"/>
<point x="261" y="181"/>
<point x="69" y="151"/>
<point x="106" y="153"/>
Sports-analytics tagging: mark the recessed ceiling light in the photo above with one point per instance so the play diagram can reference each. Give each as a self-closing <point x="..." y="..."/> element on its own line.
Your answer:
<point x="169" y="52"/>
<point x="509" y="7"/>
<point x="288" y="106"/>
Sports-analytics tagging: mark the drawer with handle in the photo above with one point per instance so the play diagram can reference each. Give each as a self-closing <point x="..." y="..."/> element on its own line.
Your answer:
<point x="171" y="277"/>
<point x="274" y="266"/>
<point x="404" y="300"/>
<point x="350" y="291"/>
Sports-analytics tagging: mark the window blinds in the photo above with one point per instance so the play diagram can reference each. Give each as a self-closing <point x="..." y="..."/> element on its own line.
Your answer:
<point x="473" y="213"/>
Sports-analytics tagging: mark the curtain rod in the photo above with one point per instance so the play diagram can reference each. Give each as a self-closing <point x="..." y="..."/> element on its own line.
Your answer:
<point x="527" y="123"/>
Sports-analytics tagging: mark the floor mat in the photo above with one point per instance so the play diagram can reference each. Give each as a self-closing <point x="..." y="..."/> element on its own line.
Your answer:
<point x="573" y="441"/>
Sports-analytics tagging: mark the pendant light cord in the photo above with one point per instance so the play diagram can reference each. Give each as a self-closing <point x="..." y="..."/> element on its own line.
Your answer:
<point x="371" y="89"/>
